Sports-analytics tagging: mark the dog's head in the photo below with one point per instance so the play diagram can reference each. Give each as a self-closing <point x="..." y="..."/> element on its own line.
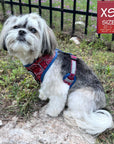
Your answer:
<point x="27" y="37"/>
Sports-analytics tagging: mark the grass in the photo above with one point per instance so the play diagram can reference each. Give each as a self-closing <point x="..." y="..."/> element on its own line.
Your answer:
<point x="13" y="80"/>
<point x="19" y="91"/>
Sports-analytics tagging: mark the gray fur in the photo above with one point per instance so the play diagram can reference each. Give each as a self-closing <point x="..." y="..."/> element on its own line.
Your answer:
<point x="49" y="42"/>
<point x="85" y="77"/>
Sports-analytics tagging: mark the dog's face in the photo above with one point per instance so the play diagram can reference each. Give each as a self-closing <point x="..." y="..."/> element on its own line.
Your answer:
<point x="27" y="37"/>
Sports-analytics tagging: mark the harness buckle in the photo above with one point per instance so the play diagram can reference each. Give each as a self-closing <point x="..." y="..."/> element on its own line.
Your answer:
<point x="70" y="78"/>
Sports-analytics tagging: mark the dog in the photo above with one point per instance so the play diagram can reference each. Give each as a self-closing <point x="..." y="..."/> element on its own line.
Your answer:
<point x="70" y="85"/>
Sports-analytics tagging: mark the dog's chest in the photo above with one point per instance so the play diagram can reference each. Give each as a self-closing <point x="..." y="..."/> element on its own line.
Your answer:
<point x="39" y="67"/>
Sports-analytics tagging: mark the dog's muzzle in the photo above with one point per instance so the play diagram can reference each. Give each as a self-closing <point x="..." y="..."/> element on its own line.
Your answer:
<point x="22" y="32"/>
<point x="21" y="35"/>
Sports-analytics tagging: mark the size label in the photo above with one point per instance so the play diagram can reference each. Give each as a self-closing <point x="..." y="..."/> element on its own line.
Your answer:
<point x="105" y="17"/>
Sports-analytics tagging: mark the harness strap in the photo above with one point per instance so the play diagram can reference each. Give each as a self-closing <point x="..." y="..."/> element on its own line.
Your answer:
<point x="70" y="78"/>
<point x="43" y="74"/>
<point x="40" y="66"/>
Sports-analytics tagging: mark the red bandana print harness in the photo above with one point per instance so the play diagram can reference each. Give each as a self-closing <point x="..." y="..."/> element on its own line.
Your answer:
<point x="41" y="65"/>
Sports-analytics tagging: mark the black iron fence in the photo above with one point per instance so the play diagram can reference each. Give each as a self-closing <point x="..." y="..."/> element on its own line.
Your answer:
<point x="61" y="9"/>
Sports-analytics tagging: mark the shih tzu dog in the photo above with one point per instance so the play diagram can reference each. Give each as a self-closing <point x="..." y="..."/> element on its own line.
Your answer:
<point x="65" y="79"/>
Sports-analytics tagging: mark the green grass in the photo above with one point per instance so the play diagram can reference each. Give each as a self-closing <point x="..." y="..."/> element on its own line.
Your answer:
<point x="13" y="79"/>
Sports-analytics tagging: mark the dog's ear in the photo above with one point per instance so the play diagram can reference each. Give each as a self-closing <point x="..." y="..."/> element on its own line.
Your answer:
<point x="4" y="45"/>
<point x="49" y="42"/>
<point x="6" y="27"/>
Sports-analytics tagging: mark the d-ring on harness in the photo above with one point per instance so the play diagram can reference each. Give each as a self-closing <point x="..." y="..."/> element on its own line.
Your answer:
<point x="70" y="78"/>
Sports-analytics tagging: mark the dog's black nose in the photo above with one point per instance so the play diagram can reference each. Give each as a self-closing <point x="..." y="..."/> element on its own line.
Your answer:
<point x="22" y="32"/>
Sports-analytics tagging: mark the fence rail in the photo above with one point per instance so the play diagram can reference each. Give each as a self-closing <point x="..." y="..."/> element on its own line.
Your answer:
<point x="73" y="11"/>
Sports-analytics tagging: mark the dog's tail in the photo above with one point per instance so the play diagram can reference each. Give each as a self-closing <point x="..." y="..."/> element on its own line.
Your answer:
<point x="94" y="123"/>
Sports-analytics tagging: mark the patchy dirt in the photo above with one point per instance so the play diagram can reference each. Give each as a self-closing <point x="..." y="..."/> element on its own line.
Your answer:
<point x="42" y="129"/>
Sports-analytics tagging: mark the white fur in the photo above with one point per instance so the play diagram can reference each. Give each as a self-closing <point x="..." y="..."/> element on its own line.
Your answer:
<point x="81" y="112"/>
<point x="55" y="89"/>
<point x="81" y="103"/>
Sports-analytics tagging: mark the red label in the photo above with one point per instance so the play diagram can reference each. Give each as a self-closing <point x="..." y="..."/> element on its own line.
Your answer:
<point x="105" y="17"/>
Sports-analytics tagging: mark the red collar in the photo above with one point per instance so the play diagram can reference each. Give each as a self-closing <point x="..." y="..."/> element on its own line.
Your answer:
<point x="40" y="66"/>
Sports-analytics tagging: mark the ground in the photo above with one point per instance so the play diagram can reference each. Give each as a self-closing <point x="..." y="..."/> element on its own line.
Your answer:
<point x="42" y="129"/>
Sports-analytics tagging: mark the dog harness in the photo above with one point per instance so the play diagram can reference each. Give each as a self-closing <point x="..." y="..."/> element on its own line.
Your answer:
<point x="41" y="65"/>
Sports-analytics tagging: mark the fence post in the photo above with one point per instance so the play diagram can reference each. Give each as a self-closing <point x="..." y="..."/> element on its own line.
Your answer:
<point x="112" y="43"/>
<point x="87" y="11"/>
<point x="20" y="6"/>
<point x="51" y="13"/>
<point x="3" y="8"/>
<point x="29" y="6"/>
<point x="74" y="9"/>
<point x="40" y="12"/>
<point x="113" y="37"/>
<point x="62" y="6"/>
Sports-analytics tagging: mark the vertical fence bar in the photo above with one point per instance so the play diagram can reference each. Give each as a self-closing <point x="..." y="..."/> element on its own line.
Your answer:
<point x="113" y="37"/>
<point x="51" y="13"/>
<point x="11" y="4"/>
<point x="3" y="8"/>
<point x="62" y="7"/>
<point x="29" y="6"/>
<point x="87" y="11"/>
<point x="40" y="12"/>
<point x="99" y="35"/>
<point x="74" y="19"/>
<point x="20" y="6"/>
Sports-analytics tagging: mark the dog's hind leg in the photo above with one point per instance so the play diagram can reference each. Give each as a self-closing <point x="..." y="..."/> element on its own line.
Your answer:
<point x="83" y="111"/>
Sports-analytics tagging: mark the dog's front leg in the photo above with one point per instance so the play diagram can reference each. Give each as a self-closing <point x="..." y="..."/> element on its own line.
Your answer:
<point x="54" y="88"/>
<point x="57" y="95"/>
<point x="42" y="94"/>
<point x="56" y="105"/>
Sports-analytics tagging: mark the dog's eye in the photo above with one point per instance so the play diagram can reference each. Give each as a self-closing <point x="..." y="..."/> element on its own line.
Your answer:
<point x="33" y="30"/>
<point x="16" y="27"/>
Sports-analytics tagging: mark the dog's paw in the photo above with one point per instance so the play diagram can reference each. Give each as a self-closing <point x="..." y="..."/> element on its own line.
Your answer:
<point x="42" y="96"/>
<point x="51" y="112"/>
